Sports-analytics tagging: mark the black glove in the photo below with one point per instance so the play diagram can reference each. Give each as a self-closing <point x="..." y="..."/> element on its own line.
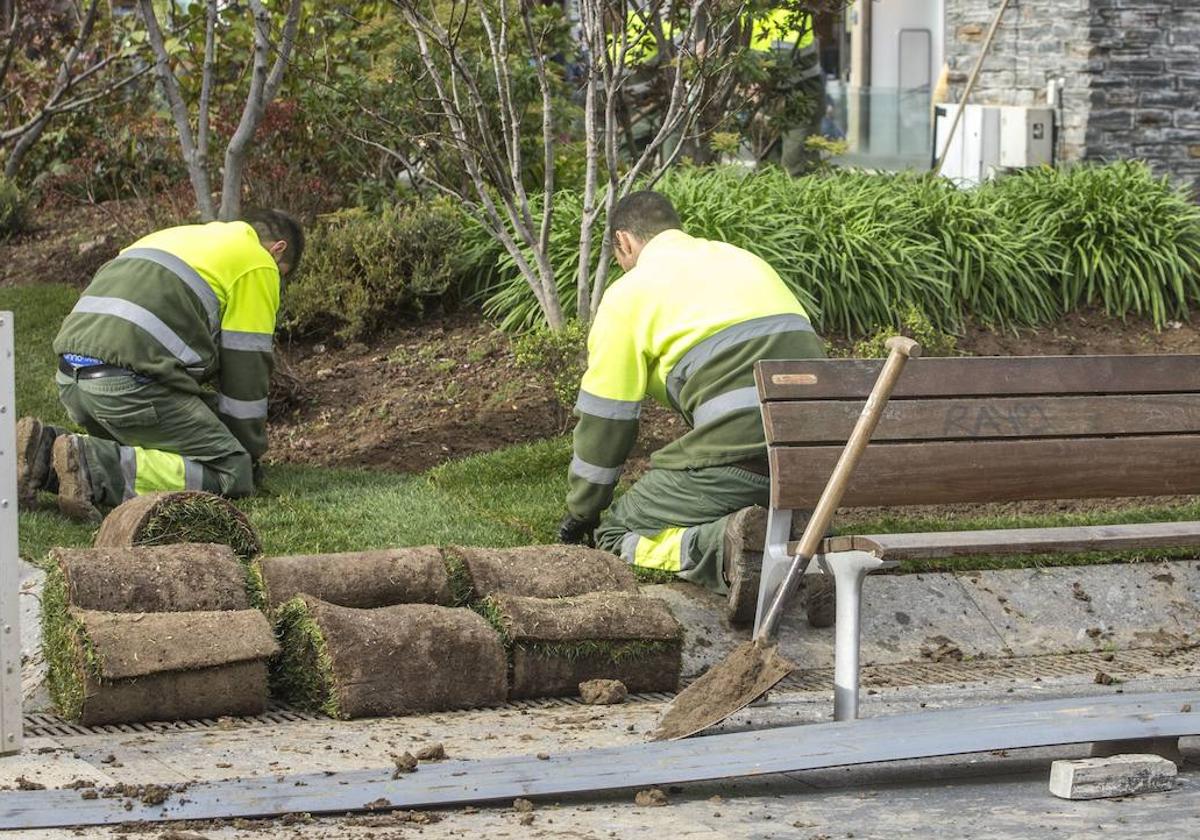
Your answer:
<point x="573" y="531"/>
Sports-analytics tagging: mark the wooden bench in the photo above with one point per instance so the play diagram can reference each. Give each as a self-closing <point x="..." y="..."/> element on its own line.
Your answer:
<point x="975" y="430"/>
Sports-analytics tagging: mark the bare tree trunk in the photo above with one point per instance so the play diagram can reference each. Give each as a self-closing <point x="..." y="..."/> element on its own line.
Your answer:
<point x="197" y="166"/>
<point x="264" y="86"/>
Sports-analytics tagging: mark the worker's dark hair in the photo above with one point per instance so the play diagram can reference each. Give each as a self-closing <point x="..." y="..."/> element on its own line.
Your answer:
<point x="274" y="225"/>
<point x="645" y="214"/>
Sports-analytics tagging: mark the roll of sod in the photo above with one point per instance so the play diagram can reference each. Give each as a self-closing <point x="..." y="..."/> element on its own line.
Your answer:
<point x="360" y="579"/>
<point x="172" y="578"/>
<point x="397" y="660"/>
<point x="555" y="644"/>
<point x="184" y="517"/>
<point x="130" y="667"/>
<point x="537" y="571"/>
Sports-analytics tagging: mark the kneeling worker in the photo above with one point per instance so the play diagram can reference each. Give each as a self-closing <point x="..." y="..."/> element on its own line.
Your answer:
<point x="685" y="324"/>
<point x="180" y="309"/>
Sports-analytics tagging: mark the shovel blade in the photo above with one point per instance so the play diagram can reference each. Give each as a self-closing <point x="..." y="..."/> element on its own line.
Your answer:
<point x="749" y="672"/>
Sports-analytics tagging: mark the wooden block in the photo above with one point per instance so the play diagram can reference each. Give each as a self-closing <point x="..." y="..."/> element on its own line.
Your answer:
<point x="1118" y="775"/>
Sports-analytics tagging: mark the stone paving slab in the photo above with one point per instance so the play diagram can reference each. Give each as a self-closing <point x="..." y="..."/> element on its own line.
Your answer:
<point x="906" y="618"/>
<point x="1081" y="608"/>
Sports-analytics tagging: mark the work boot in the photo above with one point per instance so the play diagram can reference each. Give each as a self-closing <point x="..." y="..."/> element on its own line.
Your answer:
<point x="745" y="537"/>
<point x="745" y="534"/>
<point x="34" y="474"/>
<point x="74" y="481"/>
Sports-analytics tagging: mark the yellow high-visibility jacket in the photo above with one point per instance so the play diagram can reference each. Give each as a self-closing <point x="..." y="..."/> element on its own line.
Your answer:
<point x="685" y="326"/>
<point x="188" y="305"/>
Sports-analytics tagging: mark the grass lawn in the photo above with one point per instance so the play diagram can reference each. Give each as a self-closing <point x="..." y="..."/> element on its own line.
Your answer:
<point x="510" y="497"/>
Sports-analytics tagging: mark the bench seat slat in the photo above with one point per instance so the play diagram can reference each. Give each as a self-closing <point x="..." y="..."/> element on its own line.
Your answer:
<point x="983" y="376"/>
<point x="1019" y="540"/>
<point x="831" y="421"/>
<point x="945" y="472"/>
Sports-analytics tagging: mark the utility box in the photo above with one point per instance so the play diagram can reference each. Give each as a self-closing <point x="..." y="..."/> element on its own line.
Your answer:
<point x="991" y="139"/>
<point x="974" y="151"/>
<point x="1026" y="137"/>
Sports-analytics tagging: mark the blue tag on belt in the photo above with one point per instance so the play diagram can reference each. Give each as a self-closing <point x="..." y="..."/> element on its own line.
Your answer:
<point x="81" y="361"/>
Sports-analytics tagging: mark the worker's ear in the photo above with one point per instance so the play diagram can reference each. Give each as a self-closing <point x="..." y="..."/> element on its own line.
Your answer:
<point x="623" y="248"/>
<point x="276" y="250"/>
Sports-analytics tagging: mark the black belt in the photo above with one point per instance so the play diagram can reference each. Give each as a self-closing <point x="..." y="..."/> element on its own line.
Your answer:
<point x="92" y="371"/>
<point x="758" y="466"/>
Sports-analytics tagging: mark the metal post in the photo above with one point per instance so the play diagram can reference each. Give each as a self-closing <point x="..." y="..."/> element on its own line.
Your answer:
<point x="10" y="573"/>
<point x="849" y="569"/>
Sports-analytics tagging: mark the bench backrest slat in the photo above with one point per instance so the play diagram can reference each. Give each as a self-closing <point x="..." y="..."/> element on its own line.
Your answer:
<point x="988" y="429"/>
<point x="831" y="421"/>
<point x="990" y="376"/>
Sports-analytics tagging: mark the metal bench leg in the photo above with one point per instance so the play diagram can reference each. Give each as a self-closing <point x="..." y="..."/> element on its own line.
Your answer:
<point x="849" y="569"/>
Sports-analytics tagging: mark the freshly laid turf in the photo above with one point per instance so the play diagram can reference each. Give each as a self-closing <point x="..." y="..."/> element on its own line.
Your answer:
<point x="511" y="497"/>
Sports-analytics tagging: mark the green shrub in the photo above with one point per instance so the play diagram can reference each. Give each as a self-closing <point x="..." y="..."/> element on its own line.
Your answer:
<point x="363" y="270"/>
<point x="12" y="209"/>
<point x="1116" y="235"/>
<point x="559" y="358"/>
<point x="861" y="249"/>
<point x="915" y="325"/>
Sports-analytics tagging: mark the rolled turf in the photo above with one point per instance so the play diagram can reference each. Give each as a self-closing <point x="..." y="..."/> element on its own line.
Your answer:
<point x="395" y="660"/>
<point x="539" y="571"/>
<point x="173" y="578"/>
<point x="129" y="667"/>
<point x="557" y="643"/>
<point x="183" y="517"/>
<point x="362" y="579"/>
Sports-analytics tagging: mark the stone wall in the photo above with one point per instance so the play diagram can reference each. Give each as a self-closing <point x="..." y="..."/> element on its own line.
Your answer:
<point x="1131" y="70"/>
<point x="1038" y="40"/>
<point x="1145" y="96"/>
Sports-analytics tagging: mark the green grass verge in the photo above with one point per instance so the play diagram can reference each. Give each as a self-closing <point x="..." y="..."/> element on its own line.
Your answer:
<point x="39" y="311"/>
<point x="505" y="498"/>
<point x="302" y="673"/>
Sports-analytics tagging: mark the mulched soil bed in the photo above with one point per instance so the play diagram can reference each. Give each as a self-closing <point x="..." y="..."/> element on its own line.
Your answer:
<point x="129" y="667"/>
<point x="360" y="579"/>
<point x="557" y="643"/>
<point x="539" y="571"/>
<point x="396" y="660"/>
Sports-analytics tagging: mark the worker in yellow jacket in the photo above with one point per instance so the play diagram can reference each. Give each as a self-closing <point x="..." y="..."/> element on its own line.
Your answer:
<point x="166" y="361"/>
<point x="685" y="325"/>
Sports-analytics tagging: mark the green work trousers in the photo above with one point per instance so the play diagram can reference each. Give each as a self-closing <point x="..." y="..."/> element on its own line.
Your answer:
<point x="675" y="520"/>
<point x="143" y="437"/>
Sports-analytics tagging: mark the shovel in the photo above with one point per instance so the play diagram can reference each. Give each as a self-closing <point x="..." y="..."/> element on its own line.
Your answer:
<point x="754" y="667"/>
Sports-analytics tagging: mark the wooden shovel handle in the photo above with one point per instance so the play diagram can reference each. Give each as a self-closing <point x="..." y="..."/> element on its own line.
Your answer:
<point x="900" y="350"/>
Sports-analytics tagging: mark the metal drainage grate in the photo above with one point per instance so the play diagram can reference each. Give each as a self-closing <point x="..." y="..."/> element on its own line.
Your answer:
<point x="52" y="726"/>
